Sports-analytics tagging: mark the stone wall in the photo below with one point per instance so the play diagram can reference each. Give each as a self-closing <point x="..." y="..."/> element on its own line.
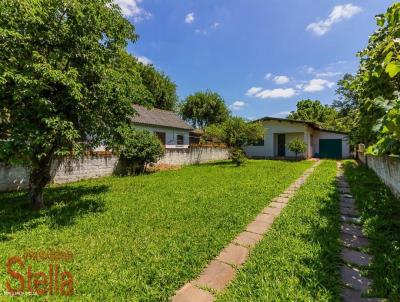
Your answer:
<point x="386" y="167"/>
<point x="16" y="178"/>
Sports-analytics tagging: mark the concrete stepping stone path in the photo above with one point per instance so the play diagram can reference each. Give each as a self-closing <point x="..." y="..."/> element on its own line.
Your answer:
<point x="220" y="271"/>
<point x="353" y="239"/>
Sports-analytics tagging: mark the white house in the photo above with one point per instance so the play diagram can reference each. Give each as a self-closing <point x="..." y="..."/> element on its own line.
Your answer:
<point x="319" y="142"/>
<point x="172" y="131"/>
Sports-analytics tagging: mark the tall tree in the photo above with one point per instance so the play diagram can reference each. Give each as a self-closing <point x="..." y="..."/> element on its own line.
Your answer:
<point x="160" y="86"/>
<point x="63" y="86"/>
<point x="204" y="108"/>
<point x="312" y="111"/>
<point x="378" y="77"/>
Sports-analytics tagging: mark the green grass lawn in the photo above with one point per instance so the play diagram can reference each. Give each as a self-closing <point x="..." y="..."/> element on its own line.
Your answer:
<point x="141" y="238"/>
<point x="298" y="259"/>
<point x="380" y="212"/>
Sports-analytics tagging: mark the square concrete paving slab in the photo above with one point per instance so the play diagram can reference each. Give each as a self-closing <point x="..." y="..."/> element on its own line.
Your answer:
<point x="265" y="218"/>
<point x="351" y="295"/>
<point x="346" y="198"/>
<point x="278" y="205"/>
<point x="258" y="227"/>
<point x="189" y="293"/>
<point x="352" y="229"/>
<point x="216" y="276"/>
<point x="349" y="211"/>
<point x="353" y="241"/>
<point x="355" y="257"/>
<point x="234" y="254"/>
<point x="281" y="199"/>
<point x="248" y="239"/>
<point x="350" y="219"/>
<point x="286" y="195"/>
<point x="344" y="190"/>
<point x="272" y="211"/>
<point x="352" y="277"/>
<point x="348" y="203"/>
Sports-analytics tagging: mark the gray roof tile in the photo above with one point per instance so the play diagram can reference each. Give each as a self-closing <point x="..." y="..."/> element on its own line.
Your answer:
<point x="158" y="117"/>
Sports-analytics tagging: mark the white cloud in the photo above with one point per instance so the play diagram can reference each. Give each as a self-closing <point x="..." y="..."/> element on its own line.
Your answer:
<point x="216" y="24"/>
<point x="338" y="14"/>
<point x="281" y="114"/>
<point x="144" y="60"/>
<point x="268" y="76"/>
<point x="318" y="85"/>
<point x="327" y="74"/>
<point x="299" y="86"/>
<point x="189" y="18"/>
<point x="253" y="91"/>
<point x="276" y="93"/>
<point x="280" y="80"/>
<point x="237" y="105"/>
<point x="130" y="8"/>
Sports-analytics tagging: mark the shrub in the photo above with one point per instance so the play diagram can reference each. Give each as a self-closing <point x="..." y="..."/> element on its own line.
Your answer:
<point x="237" y="156"/>
<point x="138" y="148"/>
<point x="297" y="146"/>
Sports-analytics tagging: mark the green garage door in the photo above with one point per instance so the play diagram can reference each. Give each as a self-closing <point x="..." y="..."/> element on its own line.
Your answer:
<point x="330" y="148"/>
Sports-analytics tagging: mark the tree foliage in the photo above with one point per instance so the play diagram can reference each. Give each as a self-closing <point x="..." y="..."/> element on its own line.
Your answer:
<point x="313" y="111"/>
<point x="64" y="84"/>
<point x="236" y="133"/>
<point x="160" y="87"/>
<point x="377" y="85"/>
<point x="297" y="146"/>
<point x="204" y="108"/>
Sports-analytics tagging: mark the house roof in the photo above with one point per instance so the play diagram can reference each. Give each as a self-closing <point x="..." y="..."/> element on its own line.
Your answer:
<point x="158" y="117"/>
<point x="310" y="124"/>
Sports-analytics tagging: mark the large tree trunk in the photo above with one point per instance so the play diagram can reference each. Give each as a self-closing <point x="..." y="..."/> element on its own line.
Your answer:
<point x="39" y="177"/>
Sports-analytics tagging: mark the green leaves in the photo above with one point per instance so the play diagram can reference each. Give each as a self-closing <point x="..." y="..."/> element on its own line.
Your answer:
<point x="393" y="68"/>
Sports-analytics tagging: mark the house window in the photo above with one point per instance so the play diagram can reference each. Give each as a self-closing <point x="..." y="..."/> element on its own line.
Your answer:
<point x="161" y="137"/>
<point x="179" y="139"/>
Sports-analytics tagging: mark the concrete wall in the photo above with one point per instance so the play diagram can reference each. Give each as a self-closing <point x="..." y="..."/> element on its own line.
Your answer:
<point x="386" y="167"/>
<point x="70" y="170"/>
<point x="193" y="155"/>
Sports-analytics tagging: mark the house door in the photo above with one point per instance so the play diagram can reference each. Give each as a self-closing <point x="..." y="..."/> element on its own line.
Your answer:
<point x="281" y="145"/>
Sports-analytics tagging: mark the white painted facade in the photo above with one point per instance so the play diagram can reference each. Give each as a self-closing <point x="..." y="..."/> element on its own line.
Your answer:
<point x="171" y="135"/>
<point x="293" y="130"/>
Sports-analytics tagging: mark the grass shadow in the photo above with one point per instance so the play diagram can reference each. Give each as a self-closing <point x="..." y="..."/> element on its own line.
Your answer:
<point x="325" y="265"/>
<point x="380" y="212"/>
<point x="63" y="205"/>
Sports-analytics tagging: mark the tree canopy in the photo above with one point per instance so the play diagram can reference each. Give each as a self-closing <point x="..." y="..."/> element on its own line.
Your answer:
<point x="376" y="86"/>
<point x="162" y="90"/>
<point x="312" y="111"/>
<point x="204" y="108"/>
<point x="64" y="82"/>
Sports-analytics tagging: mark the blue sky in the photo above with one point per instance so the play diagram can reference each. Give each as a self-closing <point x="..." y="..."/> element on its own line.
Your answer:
<point x="262" y="56"/>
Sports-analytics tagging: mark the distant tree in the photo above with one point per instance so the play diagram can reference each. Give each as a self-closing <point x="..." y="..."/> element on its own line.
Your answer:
<point x="204" y="108"/>
<point x="137" y="148"/>
<point x="160" y="86"/>
<point x="63" y="86"/>
<point x="297" y="146"/>
<point x="312" y="111"/>
<point x="236" y="133"/>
